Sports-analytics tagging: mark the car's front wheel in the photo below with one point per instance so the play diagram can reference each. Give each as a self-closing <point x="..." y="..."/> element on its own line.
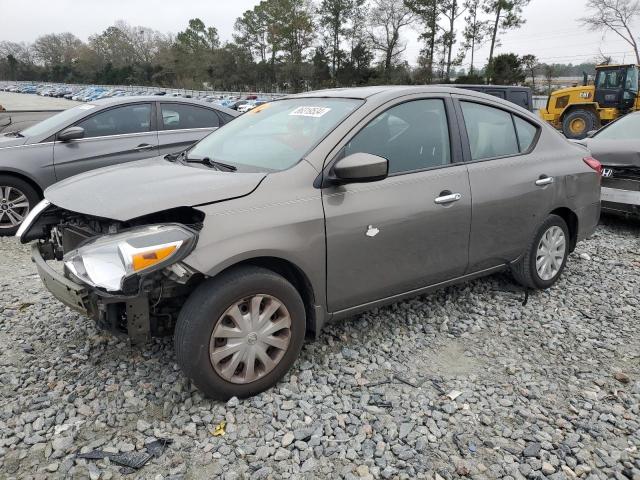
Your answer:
<point x="546" y="255"/>
<point x="17" y="198"/>
<point x="240" y="332"/>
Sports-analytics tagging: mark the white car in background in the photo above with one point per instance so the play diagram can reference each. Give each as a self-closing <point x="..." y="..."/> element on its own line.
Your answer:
<point x="244" y="108"/>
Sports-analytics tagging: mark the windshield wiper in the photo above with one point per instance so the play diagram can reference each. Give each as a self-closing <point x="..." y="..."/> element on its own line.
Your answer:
<point x="13" y="134"/>
<point x="212" y="163"/>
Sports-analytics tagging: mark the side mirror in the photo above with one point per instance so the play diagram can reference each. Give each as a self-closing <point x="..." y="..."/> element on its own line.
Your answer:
<point x="591" y="133"/>
<point x="360" y="167"/>
<point x="71" y="133"/>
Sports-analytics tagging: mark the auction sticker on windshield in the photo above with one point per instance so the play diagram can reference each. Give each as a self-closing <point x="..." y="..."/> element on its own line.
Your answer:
<point x="315" y="112"/>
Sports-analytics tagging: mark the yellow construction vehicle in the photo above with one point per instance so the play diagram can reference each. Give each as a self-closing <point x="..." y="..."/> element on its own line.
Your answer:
<point x="581" y="109"/>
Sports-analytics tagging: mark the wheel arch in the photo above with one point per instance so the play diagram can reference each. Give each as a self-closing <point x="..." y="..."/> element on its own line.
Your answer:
<point x="298" y="278"/>
<point x="571" y="219"/>
<point x="25" y="178"/>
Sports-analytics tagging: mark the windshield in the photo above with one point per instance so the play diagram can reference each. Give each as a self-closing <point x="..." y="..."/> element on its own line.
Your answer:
<point x="59" y="120"/>
<point x="627" y="128"/>
<point x="275" y="136"/>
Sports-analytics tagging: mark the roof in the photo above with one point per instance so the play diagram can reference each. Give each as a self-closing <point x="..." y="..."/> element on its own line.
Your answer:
<point x="367" y="92"/>
<point x="161" y="98"/>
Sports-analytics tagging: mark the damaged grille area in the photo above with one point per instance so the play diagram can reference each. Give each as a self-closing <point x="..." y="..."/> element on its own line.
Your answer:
<point x="148" y="304"/>
<point x="626" y="181"/>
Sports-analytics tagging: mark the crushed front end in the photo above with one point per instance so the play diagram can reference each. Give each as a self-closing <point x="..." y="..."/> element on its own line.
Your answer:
<point x="128" y="276"/>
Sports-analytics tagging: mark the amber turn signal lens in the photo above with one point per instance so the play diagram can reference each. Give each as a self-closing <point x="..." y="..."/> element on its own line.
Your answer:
<point x="151" y="257"/>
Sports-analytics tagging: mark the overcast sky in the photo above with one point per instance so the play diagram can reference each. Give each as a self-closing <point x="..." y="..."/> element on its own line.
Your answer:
<point x="552" y="31"/>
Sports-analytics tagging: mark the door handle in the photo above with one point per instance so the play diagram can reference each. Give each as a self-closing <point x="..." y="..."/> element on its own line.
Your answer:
<point x="544" y="180"/>
<point x="449" y="198"/>
<point x="144" y="146"/>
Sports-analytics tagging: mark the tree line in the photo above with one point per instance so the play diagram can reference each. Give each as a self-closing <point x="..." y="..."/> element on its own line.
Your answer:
<point x="291" y="45"/>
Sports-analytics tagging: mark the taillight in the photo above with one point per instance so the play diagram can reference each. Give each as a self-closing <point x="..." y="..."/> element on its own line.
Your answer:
<point x="593" y="163"/>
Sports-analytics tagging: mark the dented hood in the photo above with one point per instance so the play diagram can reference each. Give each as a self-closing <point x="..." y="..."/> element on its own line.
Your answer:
<point x="615" y="153"/>
<point x="131" y="190"/>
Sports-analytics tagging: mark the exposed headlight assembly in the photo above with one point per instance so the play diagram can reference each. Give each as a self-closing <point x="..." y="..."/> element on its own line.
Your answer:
<point x="107" y="261"/>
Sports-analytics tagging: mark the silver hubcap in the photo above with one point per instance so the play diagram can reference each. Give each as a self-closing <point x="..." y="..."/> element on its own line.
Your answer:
<point x="250" y="338"/>
<point x="14" y="206"/>
<point x="550" y="255"/>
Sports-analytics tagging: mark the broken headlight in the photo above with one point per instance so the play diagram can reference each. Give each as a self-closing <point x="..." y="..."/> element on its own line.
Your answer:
<point x="107" y="261"/>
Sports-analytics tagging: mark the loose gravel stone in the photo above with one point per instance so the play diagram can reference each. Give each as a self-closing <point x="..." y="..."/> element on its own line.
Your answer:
<point x="463" y="382"/>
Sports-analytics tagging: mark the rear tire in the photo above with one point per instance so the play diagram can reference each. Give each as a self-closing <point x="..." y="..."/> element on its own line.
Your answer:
<point x="218" y="319"/>
<point x="529" y="271"/>
<point x="577" y="123"/>
<point x="17" y="198"/>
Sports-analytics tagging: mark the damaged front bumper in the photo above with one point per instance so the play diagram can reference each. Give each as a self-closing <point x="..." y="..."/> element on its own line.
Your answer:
<point x="117" y="314"/>
<point x="620" y="193"/>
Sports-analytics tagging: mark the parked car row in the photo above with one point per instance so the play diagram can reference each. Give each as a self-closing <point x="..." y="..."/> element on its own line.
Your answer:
<point x="311" y="209"/>
<point x="92" y="93"/>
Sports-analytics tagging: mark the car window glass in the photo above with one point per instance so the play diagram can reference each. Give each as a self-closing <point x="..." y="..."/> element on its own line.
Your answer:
<point x="118" y="121"/>
<point x="226" y="118"/>
<point x="176" y="116"/>
<point x="282" y="132"/>
<point x="526" y="133"/>
<point x="490" y="130"/>
<point x="58" y="121"/>
<point x="627" y="128"/>
<point x="609" y="79"/>
<point x="411" y="136"/>
<point x="519" y="98"/>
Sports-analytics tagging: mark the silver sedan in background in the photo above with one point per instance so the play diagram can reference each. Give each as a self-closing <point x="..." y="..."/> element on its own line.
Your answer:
<point x="97" y="134"/>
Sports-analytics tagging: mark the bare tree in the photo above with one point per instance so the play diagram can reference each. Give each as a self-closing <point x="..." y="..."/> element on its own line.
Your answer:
<point x="617" y="16"/>
<point x="475" y="31"/>
<point x="387" y="19"/>
<point x="507" y="14"/>
<point x="451" y="10"/>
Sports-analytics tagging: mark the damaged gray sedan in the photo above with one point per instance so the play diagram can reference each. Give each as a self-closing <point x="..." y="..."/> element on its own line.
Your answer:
<point x="310" y="209"/>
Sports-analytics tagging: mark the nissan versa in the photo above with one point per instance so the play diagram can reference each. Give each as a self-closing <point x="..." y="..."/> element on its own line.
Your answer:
<point x="309" y="209"/>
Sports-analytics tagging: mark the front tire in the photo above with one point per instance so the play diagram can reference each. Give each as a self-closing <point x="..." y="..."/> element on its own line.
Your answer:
<point x="17" y="198"/>
<point x="240" y="332"/>
<point x="546" y="255"/>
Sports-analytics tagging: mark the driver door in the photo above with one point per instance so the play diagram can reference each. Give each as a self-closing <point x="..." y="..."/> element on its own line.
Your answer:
<point x="391" y="236"/>
<point x="116" y="135"/>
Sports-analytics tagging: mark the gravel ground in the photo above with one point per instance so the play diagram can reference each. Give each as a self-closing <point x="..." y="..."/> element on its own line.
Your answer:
<point x="465" y="382"/>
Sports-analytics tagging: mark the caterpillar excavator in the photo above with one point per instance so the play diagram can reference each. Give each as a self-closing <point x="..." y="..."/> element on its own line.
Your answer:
<point x="582" y="109"/>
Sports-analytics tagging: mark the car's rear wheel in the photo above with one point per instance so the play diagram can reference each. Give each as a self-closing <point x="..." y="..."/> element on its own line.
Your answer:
<point x="240" y="332"/>
<point x="546" y="255"/>
<point x="17" y="198"/>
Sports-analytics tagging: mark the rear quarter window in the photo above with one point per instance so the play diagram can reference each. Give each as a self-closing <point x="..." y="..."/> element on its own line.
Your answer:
<point x="526" y="133"/>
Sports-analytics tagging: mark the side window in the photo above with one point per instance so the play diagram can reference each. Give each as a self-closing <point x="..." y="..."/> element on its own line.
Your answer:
<point x="118" y="121"/>
<point x="526" y="133"/>
<point x="226" y="118"/>
<point x="520" y="98"/>
<point x="490" y="130"/>
<point x="411" y="136"/>
<point x="177" y="116"/>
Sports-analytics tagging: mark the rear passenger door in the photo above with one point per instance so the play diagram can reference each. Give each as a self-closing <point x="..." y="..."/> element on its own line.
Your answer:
<point x="180" y="125"/>
<point x="114" y="135"/>
<point x="512" y="186"/>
